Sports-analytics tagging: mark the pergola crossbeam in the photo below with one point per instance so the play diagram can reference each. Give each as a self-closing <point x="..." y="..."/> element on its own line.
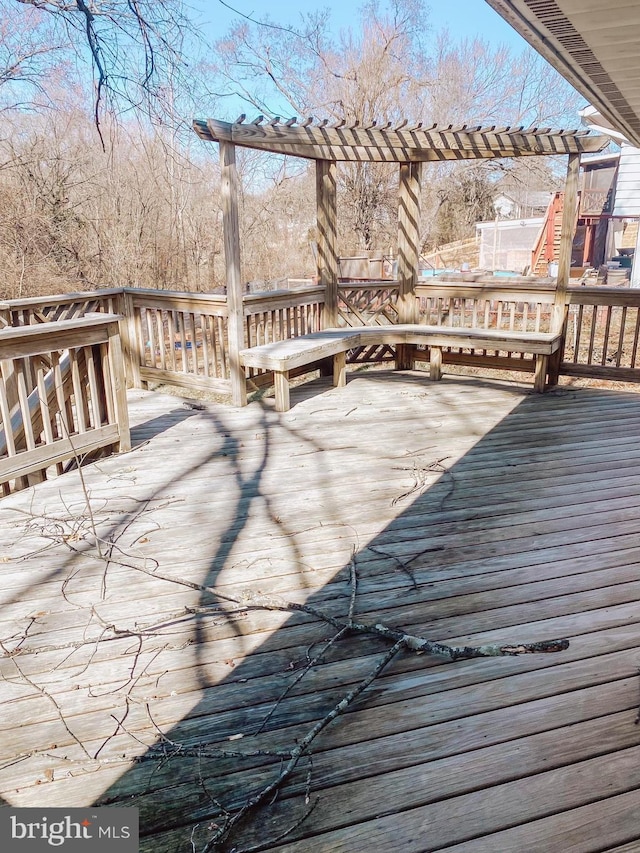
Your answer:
<point x="400" y="144"/>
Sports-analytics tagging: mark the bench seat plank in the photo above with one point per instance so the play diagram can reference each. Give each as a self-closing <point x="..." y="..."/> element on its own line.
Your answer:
<point x="459" y="336"/>
<point x="296" y="352"/>
<point x="283" y="356"/>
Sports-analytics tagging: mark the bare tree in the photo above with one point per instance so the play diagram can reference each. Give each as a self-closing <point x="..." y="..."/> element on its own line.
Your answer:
<point x="27" y="55"/>
<point x="385" y="70"/>
<point x="139" y="205"/>
<point x="365" y="74"/>
<point x="77" y="217"/>
<point x="134" y="48"/>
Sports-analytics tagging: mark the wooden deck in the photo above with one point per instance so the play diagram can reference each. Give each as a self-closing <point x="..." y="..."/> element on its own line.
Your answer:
<point x="476" y="511"/>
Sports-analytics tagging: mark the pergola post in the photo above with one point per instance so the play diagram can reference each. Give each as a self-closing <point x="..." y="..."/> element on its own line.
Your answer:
<point x="408" y="252"/>
<point x="235" y="292"/>
<point x="569" y="217"/>
<point x="327" y="258"/>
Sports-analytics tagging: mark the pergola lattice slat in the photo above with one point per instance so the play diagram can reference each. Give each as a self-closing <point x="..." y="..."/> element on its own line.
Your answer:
<point x="344" y="142"/>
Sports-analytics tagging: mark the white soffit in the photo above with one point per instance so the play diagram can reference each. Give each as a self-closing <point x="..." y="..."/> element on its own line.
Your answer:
<point x="594" y="44"/>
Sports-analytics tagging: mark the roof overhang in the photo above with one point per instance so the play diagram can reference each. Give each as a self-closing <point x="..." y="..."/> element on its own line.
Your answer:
<point x="594" y="44"/>
<point x="400" y="144"/>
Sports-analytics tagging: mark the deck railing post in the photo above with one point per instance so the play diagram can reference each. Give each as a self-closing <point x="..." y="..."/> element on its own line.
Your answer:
<point x="231" y="228"/>
<point x="327" y="259"/>
<point x="131" y="355"/>
<point x="119" y="387"/>
<point x="408" y="252"/>
<point x="569" y="218"/>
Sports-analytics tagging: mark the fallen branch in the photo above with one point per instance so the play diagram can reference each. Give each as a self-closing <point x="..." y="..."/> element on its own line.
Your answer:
<point x="420" y="474"/>
<point x="301" y="749"/>
<point x="253" y="601"/>
<point x="108" y="551"/>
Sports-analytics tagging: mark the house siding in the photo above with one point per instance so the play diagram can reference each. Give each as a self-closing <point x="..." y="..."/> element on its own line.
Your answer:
<point x="627" y="202"/>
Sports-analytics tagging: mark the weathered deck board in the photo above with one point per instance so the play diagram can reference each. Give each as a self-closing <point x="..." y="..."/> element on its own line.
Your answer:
<point x="526" y="529"/>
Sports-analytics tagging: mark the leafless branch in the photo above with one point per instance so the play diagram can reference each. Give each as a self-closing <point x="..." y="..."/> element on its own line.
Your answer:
<point x="299" y="750"/>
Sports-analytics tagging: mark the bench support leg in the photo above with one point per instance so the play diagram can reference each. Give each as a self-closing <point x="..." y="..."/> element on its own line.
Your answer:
<point x="405" y="356"/>
<point x="554" y="367"/>
<point x="281" y="383"/>
<point x="340" y="369"/>
<point x="326" y="366"/>
<point x="540" y="375"/>
<point x="435" y="363"/>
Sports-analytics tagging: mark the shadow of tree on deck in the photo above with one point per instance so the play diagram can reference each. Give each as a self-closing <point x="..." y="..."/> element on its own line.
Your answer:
<point x="467" y="557"/>
<point x="474" y="552"/>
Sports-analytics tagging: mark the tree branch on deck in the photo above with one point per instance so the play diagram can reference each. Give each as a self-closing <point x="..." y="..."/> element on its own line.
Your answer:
<point x="421" y="476"/>
<point x="82" y="536"/>
<point x="298" y="751"/>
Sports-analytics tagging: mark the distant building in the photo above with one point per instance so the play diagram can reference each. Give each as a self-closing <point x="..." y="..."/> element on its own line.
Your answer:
<point x="621" y="206"/>
<point x="522" y="204"/>
<point x="506" y="244"/>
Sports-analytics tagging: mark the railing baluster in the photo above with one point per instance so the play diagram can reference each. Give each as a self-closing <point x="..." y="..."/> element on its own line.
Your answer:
<point x="161" y="339"/>
<point x="209" y="321"/>
<point x="594" y="322"/>
<point x="183" y="341"/>
<point x="623" y="323"/>
<point x="45" y="411"/>
<point x="107" y="382"/>
<point x="636" y="337"/>
<point x="94" y="389"/>
<point x="223" y="344"/>
<point x="194" y="343"/>
<point x="5" y="413"/>
<point x="150" y="338"/>
<point x="205" y="346"/>
<point x="538" y="317"/>
<point x="64" y="428"/>
<point x="605" y="340"/>
<point x="578" y="333"/>
<point x="78" y="391"/>
<point x="171" y="331"/>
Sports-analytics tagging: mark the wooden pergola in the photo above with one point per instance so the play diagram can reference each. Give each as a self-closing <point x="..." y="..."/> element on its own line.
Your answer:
<point x="407" y="145"/>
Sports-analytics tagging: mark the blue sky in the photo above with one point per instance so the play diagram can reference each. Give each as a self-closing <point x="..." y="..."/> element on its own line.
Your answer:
<point x="463" y="18"/>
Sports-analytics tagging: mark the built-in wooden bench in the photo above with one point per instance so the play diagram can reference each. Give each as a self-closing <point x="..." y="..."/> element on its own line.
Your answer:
<point x="284" y="356"/>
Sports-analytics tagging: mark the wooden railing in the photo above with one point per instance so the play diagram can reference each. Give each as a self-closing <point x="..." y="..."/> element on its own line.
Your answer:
<point x="280" y="315"/>
<point x="368" y="304"/>
<point x="548" y="242"/>
<point x="62" y="396"/>
<point x="176" y="338"/>
<point x="69" y="306"/>
<point x="62" y="392"/>
<point x="596" y="202"/>
<point x="515" y="305"/>
<point x="181" y="338"/>
<point x="603" y="334"/>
